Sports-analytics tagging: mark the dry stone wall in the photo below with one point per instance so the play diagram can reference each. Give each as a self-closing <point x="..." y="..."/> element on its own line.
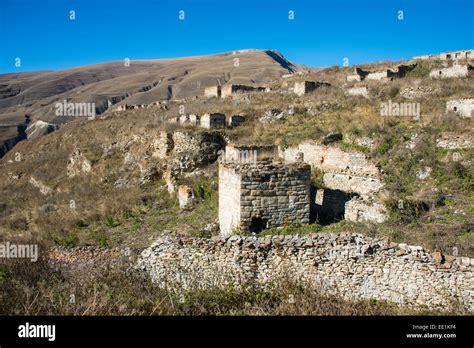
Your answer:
<point x="352" y="266"/>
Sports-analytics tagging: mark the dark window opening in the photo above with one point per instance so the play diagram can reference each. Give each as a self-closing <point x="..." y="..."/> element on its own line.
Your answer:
<point x="331" y="206"/>
<point x="258" y="224"/>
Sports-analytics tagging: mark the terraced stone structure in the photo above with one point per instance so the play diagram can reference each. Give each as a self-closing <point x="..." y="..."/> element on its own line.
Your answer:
<point x="261" y="195"/>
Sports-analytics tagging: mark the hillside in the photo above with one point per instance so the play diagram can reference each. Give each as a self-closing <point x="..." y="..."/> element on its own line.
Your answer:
<point x="106" y="181"/>
<point x="134" y="82"/>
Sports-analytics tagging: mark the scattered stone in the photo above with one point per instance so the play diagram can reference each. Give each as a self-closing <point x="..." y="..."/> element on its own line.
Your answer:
<point x="424" y="173"/>
<point x="273" y="115"/>
<point x="332" y="137"/>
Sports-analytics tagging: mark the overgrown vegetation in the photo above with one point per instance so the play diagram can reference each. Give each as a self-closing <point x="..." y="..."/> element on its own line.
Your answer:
<point x="28" y="288"/>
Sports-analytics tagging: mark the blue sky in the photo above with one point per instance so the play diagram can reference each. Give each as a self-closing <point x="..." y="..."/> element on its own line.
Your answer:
<point x="322" y="33"/>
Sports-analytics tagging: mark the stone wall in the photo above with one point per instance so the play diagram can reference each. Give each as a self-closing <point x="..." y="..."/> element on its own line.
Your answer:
<point x="330" y="158"/>
<point x="362" y="185"/>
<point x="454" y="71"/>
<point x="229" y="90"/>
<point x="347" y="171"/>
<point x="261" y="195"/>
<point x="457" y="55"/>
<point x="379" y="75"/>
<point x="463" y="107"/>
<point x="303" y="87"/>
<point x="214" y="120"/>
<point x="352" y="266"/>
<point x="213" y="91"/>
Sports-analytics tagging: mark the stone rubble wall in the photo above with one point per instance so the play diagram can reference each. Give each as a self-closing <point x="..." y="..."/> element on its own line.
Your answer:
<point x="362" y="185"/>
<point x="454" y="71"/>
<point x="331" y="159"/>
<point x="348" y="171"/>
<point x="463" y="107"/>
<point x="361" y="210"/>
<point x="352" y="266"/>
<point x="378" y="75"/>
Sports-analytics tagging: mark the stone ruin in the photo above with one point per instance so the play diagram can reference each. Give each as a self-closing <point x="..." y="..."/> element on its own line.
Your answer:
<point x="213" y="120"/>
<point x="208" y="120"/>
<point x="384" y="75"/>
<point x="235" y="120"/>
<point x="358" y="75"/>
<point x="213" y="91"/>
<point x="303" y="87"/>
<point x="457" y="55"/>
<point x="448" y="56"/>
<point x="462" y="107"/>
<point x="351" y="181"/>
<point x="230" y="89"/>
<point x="264" y="194"/>
<point x="454" y="71"/>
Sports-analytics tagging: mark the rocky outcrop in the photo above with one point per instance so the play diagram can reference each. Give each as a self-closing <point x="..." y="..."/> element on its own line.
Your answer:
<point x="78" y="164"/>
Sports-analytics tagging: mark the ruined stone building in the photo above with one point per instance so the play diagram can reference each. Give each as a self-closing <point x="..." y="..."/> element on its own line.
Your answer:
<point x="449" y="56"/>
<point x="230" y="89"/>
<point x="303" y="87"/>
<point x="212" y="91"/>
<point x="454" y="71"/>
<point x="195" y="120"/>
<point x="212" y="120"/>
<point x="463" y="107"/>
<point x="351" y="182"/>
<point x="358" y="75"/>
<point x="398" y="71"/>
<point x="265" y="194"/>
<point x="457" y="55"/>
<point x="208" y="120"/>
<point x="235" y="120"/>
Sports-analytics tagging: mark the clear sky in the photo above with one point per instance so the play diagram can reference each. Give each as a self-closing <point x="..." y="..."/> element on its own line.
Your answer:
<point x="322" y="33"/>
